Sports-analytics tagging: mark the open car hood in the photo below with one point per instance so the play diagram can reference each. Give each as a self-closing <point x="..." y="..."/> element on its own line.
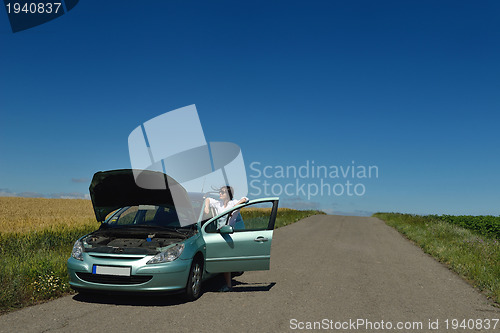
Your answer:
<point x="111" y="190"/>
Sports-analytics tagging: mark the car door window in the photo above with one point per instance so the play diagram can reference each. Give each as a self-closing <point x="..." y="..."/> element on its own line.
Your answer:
<point x="252" y="217"/>
<point x="257" y="216"/>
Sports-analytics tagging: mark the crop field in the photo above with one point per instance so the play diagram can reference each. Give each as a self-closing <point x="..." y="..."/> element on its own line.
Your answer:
<point x="36" y="238"/>
<point x="469" y="245"/>
<point x="21" y="215"/>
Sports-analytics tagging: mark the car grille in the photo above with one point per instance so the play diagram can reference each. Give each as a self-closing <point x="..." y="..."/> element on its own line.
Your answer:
<point x="107" y="256"/>
<point x="113" y="279"/>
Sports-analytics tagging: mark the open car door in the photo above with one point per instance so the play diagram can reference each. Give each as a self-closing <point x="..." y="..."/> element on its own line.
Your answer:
<point x="240" y="239"/>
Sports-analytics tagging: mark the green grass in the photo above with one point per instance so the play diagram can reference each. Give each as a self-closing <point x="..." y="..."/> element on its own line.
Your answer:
<point x="33" y="263"/>
<point x="474" y="256"/>
<point x="484" y="225"/>
<point x="259" y="217"/>
<point x="288" y="216"/>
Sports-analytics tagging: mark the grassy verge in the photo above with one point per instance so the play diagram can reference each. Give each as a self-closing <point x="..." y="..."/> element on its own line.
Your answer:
<point x="36" y="238"/>
<point x="284" y="217"/>
<point x="33" y="265"/>
<point x="473" y="256"/>
<point x="288" y="216"/>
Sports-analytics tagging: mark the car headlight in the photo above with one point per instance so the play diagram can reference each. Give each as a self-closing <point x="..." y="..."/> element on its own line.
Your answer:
<point x="77" y="251"/>
<point x="168" y="255"/>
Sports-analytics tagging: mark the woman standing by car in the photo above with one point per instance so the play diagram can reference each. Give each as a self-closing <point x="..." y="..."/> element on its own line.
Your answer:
<point x="226" y="202"/>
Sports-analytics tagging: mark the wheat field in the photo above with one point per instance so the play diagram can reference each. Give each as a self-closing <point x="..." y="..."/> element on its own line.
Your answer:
<point x="22" y="215"/>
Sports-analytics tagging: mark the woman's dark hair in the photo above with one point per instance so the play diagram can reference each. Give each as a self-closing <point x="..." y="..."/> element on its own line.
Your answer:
<point x="229" y="190"/>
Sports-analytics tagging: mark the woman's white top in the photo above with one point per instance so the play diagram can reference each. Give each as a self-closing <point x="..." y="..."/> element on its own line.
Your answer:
<point x="219" y="207"/>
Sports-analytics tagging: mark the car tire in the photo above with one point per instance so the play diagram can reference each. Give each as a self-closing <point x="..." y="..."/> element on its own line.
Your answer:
<point x="193" y="287"/>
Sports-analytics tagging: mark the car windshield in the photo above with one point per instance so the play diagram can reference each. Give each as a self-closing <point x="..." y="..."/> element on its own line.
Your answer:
<point x="145" y="215"/>
<point x="198" y="203"/>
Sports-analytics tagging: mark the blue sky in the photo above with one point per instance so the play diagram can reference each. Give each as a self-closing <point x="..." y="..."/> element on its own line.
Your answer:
<point x="411" y="87"/>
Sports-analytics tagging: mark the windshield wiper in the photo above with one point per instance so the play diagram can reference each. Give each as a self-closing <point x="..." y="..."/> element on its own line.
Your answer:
<point x="178" y="230"/>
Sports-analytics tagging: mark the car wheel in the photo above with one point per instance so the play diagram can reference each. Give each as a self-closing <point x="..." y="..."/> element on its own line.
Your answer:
<point x="193" y="288"/>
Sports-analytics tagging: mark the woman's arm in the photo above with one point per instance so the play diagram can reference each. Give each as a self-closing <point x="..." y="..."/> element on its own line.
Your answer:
<point x="242" y="201"/>
<point x="207" y="205"/>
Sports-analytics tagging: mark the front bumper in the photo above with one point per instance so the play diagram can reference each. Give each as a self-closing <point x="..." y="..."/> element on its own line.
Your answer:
<point x="164" y="277"/>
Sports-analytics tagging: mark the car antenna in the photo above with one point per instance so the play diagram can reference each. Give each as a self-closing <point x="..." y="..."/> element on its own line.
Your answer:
<point x="203" y="186"/>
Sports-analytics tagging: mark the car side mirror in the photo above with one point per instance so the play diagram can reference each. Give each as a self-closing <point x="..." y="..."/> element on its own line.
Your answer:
<point x="226" y="229"/>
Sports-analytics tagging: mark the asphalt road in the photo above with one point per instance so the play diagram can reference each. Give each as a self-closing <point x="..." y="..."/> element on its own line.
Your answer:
<point x="334" y="270"/>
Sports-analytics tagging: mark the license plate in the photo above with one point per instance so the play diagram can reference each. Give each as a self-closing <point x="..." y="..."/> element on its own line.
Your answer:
<point x="111" y="270"/>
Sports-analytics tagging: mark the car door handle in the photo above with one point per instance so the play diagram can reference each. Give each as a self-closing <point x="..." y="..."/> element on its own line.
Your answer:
<point x="261" y="239"/>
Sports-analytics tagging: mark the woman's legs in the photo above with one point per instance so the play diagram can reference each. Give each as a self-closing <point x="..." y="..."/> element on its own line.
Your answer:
<point x="227" y="277"/>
